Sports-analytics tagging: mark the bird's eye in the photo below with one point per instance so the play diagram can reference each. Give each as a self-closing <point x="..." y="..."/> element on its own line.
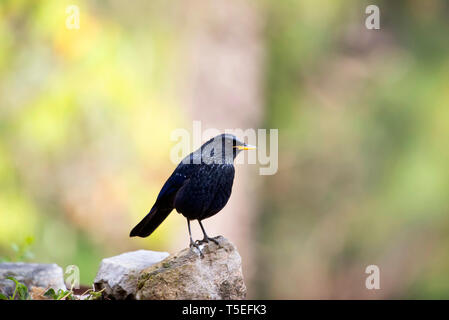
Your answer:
<point x="212" y="152"/>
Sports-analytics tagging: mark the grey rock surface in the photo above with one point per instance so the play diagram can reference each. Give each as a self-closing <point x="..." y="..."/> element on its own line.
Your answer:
<point x="214" y="274"/>
<point x="118" y="275"/>
<point x="30" y="274"/>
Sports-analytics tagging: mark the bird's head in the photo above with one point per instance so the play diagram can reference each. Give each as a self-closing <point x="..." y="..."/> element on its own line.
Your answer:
<point x="223" y="149"/>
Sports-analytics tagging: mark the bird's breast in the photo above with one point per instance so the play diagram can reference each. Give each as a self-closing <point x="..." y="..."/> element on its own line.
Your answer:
<point x="208" y="190"/>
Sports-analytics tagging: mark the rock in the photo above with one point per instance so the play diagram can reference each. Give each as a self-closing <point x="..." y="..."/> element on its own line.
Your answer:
<point x="214" y="274"/>
<point x="31" y="275"/>
<point x="118" y="275"/>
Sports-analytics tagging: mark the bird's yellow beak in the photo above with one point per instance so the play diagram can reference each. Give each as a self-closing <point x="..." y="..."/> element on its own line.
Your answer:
<point x="246" y="147"/>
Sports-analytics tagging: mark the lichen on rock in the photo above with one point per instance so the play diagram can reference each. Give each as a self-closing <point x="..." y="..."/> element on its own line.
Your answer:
<point x="213" y="273"/>
<point x="118" y="275"/>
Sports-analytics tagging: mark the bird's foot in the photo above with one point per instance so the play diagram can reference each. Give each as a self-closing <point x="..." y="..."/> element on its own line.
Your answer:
<point x="207" y="239"/>
<point x="197" y="246"/>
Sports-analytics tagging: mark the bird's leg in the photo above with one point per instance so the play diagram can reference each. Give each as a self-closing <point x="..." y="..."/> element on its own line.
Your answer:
<point x="206" y="238"/>
<point x="192" y="243"/>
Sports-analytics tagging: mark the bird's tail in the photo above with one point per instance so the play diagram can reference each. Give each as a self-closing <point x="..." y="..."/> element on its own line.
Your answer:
<point x="151" y="221"/>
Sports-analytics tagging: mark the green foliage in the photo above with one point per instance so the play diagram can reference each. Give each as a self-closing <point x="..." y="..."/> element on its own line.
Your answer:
<point x="90" y="294"/>
<point x="363" y="119"/>
<point x="20" y="291"/>
<point x="20" y="253"/>
<point x="59" y="295"/>
<point x="23" y="252"/>
<point x="76" y="112"/>
<point x="86" y="116"/>
<point x="94" y="295"/>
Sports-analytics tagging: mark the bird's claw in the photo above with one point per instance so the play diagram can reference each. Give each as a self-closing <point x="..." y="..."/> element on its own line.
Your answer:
<point x="207" y="239"/>
<point x="197" y="246"/>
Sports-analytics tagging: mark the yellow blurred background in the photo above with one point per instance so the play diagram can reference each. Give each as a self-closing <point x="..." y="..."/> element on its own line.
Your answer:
<point x="86" y="117"/>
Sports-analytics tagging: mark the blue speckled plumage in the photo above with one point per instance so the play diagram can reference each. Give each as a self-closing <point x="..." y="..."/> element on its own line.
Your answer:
<point x="206" y="192"/>
<point x="200" y="186"/>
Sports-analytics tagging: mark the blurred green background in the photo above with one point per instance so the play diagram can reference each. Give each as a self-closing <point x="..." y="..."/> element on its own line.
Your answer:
<point x="86" y="117"/>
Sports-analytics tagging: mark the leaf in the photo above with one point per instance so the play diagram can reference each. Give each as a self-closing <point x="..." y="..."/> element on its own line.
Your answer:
<point x="28" y="255"/>
<point x="23" y="291"/>
<point x="50" y="293"/>
<point x="13" y="279"/>
<point x="15" y="247"/>
<point x="20" y="289"/>
<point x="61" y="294"/>
<point x="29" y="240"/>
<point x="95" y="295"/>
<point x="3" y="297"/>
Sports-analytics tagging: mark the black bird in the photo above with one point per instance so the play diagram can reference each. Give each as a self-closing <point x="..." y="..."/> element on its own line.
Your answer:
<point x="199" y="187"/>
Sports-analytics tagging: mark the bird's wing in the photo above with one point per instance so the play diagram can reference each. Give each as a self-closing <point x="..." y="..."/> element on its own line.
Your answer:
<point x="181" y="174"/>
<point x="164" y="202"/>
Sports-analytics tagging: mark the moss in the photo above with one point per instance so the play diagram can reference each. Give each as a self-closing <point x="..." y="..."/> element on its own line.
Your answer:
<point x="142" y="279"/>
<point x="172" y="278"/>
